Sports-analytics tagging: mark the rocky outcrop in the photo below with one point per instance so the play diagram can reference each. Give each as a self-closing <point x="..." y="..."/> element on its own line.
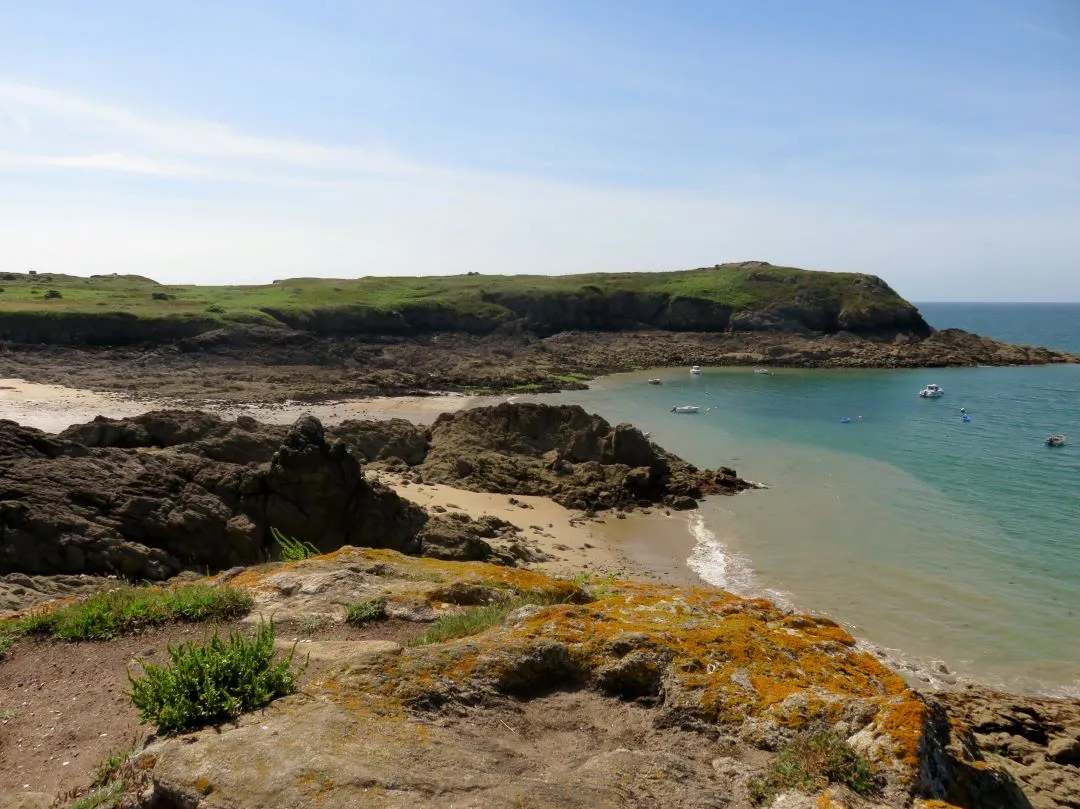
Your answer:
<point x="1035" y="740"/>
<point x="66" y="508"/>
<point x="652" y="696"/>
<point x="562" y="452"/>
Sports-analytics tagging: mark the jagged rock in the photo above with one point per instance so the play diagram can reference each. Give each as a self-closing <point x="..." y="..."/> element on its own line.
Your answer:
<point x="561" y="451"/>
<point x="383" y="439"/>
<point x="68" y="509"/>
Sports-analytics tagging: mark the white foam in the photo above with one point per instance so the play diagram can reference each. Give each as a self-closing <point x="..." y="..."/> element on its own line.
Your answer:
<point x="724" y="568"/>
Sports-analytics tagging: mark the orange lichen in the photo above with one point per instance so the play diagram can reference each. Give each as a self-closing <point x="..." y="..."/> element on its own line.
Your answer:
<point x="904" y="721"/>
<point x="203" y="786"/>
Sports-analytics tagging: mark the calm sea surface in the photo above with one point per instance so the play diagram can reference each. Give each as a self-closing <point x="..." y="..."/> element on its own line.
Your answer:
<point x="926" y="535"/>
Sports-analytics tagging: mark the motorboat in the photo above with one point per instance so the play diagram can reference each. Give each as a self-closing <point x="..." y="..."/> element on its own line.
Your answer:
<point x="763" y="371"/>
<point x="656" y="382"/>
<point x="695" y="369"/>
<point x="931" y="391"/>
<point x="685" y="409"/>
<point x="1054" y="440"/>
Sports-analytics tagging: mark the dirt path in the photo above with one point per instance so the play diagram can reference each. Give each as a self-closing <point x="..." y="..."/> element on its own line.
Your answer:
<point x="64" y="706"/>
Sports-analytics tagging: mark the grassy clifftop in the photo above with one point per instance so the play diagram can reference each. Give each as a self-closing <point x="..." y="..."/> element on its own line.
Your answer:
<point x="746" y="297"/>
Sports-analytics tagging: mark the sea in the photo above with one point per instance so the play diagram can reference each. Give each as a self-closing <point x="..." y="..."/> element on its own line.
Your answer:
<point x="951" y="547"/>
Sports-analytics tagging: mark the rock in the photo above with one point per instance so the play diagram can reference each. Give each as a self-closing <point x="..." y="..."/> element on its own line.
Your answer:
<point x="69" y="509"/>
<point x="1064" y="751"/>
<point x="562" y="452"/>
<point x="383" y="439"/>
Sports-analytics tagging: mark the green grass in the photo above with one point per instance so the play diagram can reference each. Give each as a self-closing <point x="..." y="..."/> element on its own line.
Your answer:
<point x="292" y="550"/>
<point x="531" y="387"/>
<point x="213" y="682"/>
<point x="475" y="620"/>
<point x="107" y="615"/>
<point x="310" y="624"/>
<point x="297" y="301"/>
<point x="107" y="796"/>
<point x="365" y="612"/>
<point x="5" y="643"/>
<point x="811" y="762"/>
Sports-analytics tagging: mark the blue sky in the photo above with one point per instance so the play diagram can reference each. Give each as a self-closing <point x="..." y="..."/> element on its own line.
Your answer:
<point x="933" y="142"/>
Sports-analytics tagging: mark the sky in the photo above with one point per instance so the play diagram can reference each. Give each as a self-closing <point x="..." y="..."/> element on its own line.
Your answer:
<point x="935" y="143"/>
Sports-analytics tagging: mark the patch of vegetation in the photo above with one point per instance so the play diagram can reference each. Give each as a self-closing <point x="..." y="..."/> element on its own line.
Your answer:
<point x="531" y="387"/>
<point x="310" y="624"/>
<point x="106" y="615"/>
<point x="52" y="295"/>
<point x="5" y="643"/>
<point x="366" y="611"/>
<point x="811" y="762"/>
<point x="213" y="682"/>
<point x="598" y="587"/>
<point x="571" y="377"/>
<point x="304" y="302"/>
<point x="8" y="713"/>
<point x="292" y="550"/>
<point x="475" y="620"/>
<point x="105" y="797"/>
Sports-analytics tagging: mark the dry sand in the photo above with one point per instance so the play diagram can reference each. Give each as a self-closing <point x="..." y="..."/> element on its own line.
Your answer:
<point x="652" y="546"/>
<point x="54" y="408"/>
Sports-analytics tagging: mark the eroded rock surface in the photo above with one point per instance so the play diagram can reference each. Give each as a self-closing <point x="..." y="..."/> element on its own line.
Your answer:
<point x="653" y="696"/>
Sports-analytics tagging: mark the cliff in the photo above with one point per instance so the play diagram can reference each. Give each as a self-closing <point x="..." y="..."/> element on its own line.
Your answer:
<point x="748" y="296"/>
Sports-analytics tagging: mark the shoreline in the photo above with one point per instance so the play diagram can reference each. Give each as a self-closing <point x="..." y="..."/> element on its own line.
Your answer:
<point x="651" y="546"/>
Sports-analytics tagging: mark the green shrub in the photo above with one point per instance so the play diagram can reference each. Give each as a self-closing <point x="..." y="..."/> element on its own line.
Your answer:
<point x="106" y="615"/>
<point x="5" y="643"/>
<point x="811" y="762"/>
<point x="52" y="294"/>
<point x="213" y="682"/>
<point x="292" y="550"/>
<point x="310" y="624"/>
<point x="364" y="612"/>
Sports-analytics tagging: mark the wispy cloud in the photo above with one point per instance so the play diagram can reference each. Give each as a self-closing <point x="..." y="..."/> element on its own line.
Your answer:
<point x="147" y="142"/>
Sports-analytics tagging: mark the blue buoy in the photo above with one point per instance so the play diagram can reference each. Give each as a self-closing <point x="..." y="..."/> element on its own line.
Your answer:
<point x="965" y="417"/>
<point x="846" y="420"/>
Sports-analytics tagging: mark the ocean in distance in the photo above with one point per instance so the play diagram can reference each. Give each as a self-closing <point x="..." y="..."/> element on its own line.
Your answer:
<point x="929" y="537"/>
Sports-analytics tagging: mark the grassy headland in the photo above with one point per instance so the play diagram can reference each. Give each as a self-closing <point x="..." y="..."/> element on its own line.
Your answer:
<point x="125" y="308"/>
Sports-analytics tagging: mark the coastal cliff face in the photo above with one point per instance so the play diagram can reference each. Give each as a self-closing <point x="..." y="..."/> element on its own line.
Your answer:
<point x="748" y="296"/>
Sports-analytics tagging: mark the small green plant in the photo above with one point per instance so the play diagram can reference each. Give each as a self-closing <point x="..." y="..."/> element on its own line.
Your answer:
<point x="215" y="309"/>
<point x="812" y="761"/>
<point x="292" y="550"/>
<point x="366" y="611"/>
<point x="474" y="620"/>
<point x="106" y="615"/>
<point x="6" y="642"/>
<point x="310" y="624"/>
<point x="213" y="682"/>
<point x="109" y="768"/>
<point x="598" y="587"/>
<point x="105" y="797"/>
<point x="8" y="713"/>
<point x="52" y="294"/>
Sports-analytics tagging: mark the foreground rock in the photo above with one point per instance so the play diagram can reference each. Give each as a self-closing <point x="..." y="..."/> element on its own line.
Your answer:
<point x="653" y="696"/>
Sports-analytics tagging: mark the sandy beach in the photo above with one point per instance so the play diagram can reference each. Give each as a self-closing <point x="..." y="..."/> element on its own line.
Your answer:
<point x="54" y="407"/>
<point x="652" y="546"/>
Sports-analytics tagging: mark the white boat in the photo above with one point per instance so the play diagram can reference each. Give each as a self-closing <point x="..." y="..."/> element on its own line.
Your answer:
<point x="931" y="391"/>
<point x="1055" y="440"/>
<point x="695" y="369"/>
<point x="763" y="371"/>
<point x="685" y="409"/>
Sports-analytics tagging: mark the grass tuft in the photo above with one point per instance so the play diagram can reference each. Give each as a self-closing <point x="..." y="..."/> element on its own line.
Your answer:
<point x="366" y="611"/>
<point x="310" y="624"/>
<point x="5" y="643"/>
<point x="213" y="682"/>
<point x="475" y="620"/>
<point x="107" y="615"/>
<point x="811" y="762"/>
<point x="292" y="550"/>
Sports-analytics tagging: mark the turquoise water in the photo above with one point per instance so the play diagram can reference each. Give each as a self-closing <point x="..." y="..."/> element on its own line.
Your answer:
<point x="928" y="536"/>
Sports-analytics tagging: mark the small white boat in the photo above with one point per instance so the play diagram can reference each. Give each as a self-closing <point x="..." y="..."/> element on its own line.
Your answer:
<point x="763" y="371"/>
<point x="685" y="409"/>
<point x="1055" y="440"/>
<point x="695" y="369"/>
<point x="931" y="391"/>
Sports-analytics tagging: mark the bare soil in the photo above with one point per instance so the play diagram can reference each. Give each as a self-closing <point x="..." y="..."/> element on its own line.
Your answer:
<point x="64" y="706"/>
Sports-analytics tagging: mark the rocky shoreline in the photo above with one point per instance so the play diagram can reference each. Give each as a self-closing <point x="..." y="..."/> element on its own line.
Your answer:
<point x="263" y="364"/>
<point x="180" y="492"/>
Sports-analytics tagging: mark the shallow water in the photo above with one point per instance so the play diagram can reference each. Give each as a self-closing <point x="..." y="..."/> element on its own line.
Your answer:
<point x="925" y="534"/>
